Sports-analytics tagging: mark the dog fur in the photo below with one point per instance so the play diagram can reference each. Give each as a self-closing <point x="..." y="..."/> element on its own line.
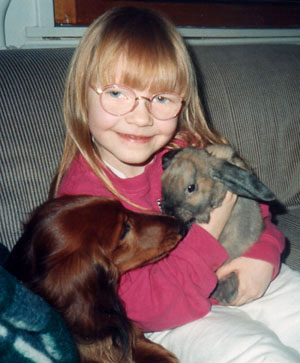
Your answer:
<point x="195" y="181"/>
<point x="72" y="253"/>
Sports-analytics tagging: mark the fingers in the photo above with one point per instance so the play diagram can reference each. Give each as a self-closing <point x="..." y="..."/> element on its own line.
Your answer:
<point x="246" y="295"/>
<point x="254" y="277"/>
<point x="220" y="216"/>
<point x="230" y="198"/>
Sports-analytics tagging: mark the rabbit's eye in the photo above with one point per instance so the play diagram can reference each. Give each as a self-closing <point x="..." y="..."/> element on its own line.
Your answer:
<point x="191" y="188"/>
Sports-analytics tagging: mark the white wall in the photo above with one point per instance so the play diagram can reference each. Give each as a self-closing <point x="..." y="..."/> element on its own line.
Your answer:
<point x="3" y="8"/>
<point x="30" y="24"/>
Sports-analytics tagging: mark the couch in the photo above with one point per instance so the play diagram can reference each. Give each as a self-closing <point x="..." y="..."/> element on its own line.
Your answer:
<point x="251" y="94"/>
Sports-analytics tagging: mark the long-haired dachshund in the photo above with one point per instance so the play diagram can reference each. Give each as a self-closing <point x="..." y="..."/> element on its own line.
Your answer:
<point x="72" y="253"/>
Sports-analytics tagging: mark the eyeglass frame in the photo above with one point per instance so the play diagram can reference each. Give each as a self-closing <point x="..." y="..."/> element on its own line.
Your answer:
<point x="100" y="91"/>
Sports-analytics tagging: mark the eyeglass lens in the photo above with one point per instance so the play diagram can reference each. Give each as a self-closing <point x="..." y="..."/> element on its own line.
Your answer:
<point x="119" y="101"/>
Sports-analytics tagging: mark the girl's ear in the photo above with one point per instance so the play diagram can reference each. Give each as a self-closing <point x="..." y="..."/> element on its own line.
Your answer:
<point x="168" y="157"/>
<point x="241" y="182"/>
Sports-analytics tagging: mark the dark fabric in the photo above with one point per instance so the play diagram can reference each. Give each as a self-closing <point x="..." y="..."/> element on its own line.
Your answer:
<point x="4" y="253"/>
<point x="30" y="330"/>
<point x="290" y="224"/>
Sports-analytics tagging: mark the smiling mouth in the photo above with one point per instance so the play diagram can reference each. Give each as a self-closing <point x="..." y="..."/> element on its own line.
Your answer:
<point x="135" y="138"/>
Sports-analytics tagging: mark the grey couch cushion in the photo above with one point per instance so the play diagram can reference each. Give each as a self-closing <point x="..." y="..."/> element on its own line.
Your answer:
<point x="31" y="131"/>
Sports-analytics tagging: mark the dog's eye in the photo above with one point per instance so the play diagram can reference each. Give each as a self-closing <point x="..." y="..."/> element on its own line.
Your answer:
<point x="126" y="228"/>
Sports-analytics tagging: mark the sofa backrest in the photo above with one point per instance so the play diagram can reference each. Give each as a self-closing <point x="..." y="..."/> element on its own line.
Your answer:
<point x="251" y="95"/>
<point x="32" y="131"/>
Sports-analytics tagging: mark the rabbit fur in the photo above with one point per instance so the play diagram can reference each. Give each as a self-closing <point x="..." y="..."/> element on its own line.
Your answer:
<point x="195" y="181"/>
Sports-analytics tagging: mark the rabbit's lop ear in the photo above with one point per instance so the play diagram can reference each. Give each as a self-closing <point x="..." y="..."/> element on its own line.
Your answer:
<point x="241" y="182"/>
<point x="168" y="157"/>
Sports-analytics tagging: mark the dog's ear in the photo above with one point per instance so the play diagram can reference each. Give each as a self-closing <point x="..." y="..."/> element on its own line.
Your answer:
<point x="241" y="182"/>
<point x="167" y="158"/>
<point x="82" y="286"/>
<point x="105" y="316"/>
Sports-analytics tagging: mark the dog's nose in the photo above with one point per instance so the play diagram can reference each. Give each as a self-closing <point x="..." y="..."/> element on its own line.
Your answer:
<point x="167" y="208"/>
<point x="184" y="228"/>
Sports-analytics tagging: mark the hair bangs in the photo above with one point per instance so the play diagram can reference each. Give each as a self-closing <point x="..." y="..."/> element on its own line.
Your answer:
<point x="141" y="60"/>
<point x="146" y="70"/>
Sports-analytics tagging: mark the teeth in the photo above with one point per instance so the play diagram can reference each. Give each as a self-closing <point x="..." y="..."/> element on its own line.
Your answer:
<point x="134" y="137"/>
<point x="137" y="137"/>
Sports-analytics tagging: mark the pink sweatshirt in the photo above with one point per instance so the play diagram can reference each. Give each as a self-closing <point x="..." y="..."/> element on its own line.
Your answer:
<point x="176" y="289"/>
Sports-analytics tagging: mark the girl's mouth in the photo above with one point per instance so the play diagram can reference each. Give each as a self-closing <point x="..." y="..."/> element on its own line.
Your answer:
<point x="134" y="138"/>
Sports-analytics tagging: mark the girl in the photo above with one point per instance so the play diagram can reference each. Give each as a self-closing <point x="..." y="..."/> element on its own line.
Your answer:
<point x="131" y="93"/>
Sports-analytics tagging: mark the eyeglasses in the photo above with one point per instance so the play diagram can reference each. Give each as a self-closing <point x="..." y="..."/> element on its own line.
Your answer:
<point x="119" y="100"/>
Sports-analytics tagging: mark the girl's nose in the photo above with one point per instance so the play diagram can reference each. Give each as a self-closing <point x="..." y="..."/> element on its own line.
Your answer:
<point x="140" y="115"/>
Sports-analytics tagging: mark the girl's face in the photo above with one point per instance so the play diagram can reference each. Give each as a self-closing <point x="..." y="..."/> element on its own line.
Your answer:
<point x="128" y="142"/>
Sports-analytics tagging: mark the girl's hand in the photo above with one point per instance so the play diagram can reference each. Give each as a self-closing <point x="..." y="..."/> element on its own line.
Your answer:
<point x="220" y="216"/>
<point x="254" y="277"/>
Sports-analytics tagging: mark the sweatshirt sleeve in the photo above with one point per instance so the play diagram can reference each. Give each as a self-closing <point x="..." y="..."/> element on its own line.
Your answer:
<point x="270" y="244"/>
<point x="176" y="289"/>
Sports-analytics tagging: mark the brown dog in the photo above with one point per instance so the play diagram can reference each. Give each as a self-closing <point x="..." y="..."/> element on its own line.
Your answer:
<point x="72" y="253"/>
<point x="195" y="182"/>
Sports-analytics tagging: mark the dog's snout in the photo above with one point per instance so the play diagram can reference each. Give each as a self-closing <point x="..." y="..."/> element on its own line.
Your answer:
<point x="167" y="207"/>
<point x="184" y="228"/>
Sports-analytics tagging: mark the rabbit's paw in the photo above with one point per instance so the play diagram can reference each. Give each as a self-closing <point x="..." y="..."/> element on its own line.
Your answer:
<point x="227" y="289"/>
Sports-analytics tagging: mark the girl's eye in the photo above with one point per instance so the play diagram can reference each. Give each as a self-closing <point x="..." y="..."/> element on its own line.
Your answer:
<point x="115" y="94"/>
<point x="161" y="99"/>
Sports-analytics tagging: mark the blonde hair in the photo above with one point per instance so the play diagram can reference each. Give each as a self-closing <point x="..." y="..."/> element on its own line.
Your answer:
<point x="156" y="59"/>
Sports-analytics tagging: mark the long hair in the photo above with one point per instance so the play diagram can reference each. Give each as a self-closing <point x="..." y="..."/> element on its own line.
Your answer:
<point x="151" y="47"/>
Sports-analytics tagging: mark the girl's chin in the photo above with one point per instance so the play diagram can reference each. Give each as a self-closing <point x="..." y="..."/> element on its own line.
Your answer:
<point x="137" y="162"/>
<point x="132" y="166"/>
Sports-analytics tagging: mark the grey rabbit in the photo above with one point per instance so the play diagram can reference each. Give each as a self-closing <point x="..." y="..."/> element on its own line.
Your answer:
<point x="195" y="181"/>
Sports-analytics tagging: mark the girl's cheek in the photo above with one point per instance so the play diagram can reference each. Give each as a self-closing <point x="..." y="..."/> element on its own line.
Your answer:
<point x="171" y="126"/>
